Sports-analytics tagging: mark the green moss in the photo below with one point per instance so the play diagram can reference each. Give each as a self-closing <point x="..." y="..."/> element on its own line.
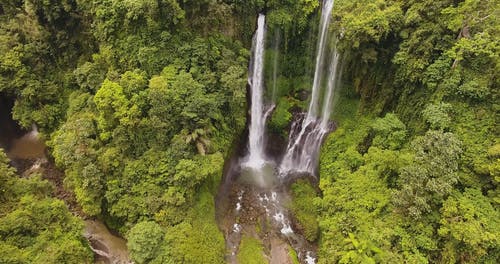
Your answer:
<point x="293" y="255"/>
<point x="210" y="239"/>
<point x="303" y="195"/>
<point x="281" y="117"/>
<point x="251" y="251"/>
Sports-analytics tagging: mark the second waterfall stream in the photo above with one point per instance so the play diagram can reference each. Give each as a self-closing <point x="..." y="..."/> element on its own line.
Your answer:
<point x="256" y="157"/>
<point x="308" y="132"/>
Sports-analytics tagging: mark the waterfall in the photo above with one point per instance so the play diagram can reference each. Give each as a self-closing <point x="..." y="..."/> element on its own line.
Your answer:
<point x="307" y="133"/>
<point x="255" y="157"/>
<point x="333" y="82"/>
<point x="326" y="14"/>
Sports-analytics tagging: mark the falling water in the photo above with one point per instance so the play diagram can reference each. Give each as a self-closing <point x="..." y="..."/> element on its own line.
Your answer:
<point x="308" y="132"/>
<point x="326" y="14"/>
<point x="255" y="157"/>
<point x="333" y="82"/>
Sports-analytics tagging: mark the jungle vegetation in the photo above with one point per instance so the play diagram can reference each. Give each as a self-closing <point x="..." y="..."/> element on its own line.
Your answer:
<point x="140" y="101"/>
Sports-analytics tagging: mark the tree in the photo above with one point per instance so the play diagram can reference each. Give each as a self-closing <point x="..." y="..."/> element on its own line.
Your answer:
<point x="114" y="108"/>
<point x="425" y="183"/>
<point x="34" y="227"/>
<point x="41" y="41"/>
<point x="7" y="175"/>
<point x="424" y="38"/>
<point x="75" y="150"/>
<point x="390" y="132"/>
<point x="144" y="240"/>
<point x="356" y="217"/>
<point x="290" y="15"/>
<point x="437" y="115"/>
<point x="470" y="226"/>
<point x="197" y="239"/>
<point x="366" y="21"/>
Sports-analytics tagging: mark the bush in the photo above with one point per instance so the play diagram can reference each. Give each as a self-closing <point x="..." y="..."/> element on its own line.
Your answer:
<point x="144" y="240"/>
<point x="437" y="115"/>
<point x="390" y="132"/>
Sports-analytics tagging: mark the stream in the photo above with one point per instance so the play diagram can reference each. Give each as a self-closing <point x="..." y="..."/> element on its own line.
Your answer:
<point x="248" y="208"/>
<point x="252" y="199"/>
<point x="108" y="248"/>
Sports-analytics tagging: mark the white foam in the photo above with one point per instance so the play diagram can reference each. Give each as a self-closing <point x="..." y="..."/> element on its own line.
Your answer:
<point x="279" y="217"/>
<point x="309" y="259"/>
<point x="286" y="230"/>
<point x="274" y="196"/>
<point x="236" y="228"/>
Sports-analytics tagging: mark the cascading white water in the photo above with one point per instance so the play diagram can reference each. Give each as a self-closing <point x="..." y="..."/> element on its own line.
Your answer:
<point x="307" y="133"/>
<point x="333" y="82"/>
<point x="326" y="14"/>
<point x="255" y="158"/>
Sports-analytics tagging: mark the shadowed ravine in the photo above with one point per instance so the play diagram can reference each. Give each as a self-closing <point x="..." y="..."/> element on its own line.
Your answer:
<point x="27" y="153"/>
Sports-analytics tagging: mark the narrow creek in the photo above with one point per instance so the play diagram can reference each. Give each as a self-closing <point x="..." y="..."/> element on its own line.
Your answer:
<point x="28" y="154"/>
<point x="248" y="210"/>
<point x="108" y="248"/>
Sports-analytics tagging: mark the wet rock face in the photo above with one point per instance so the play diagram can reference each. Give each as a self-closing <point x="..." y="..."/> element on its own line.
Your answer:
<point x="248" y="212"/>
<point x="303" y="95"/>
<point x="275" y="146"/>
<point x="279" y="253"/>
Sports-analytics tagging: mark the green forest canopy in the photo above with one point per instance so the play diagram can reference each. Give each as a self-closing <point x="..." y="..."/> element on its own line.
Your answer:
<point x="140" y="101"/>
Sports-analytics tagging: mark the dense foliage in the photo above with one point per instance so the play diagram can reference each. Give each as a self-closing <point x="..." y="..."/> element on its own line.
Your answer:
<point x="140" y="100"/>
<point x="418" y="185"/>
<point x="139" y="104"/>
<point x="35" y="227"/>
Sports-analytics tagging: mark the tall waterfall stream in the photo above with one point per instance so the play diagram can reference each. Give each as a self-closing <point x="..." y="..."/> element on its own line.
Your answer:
<point x="252" y="200"/>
